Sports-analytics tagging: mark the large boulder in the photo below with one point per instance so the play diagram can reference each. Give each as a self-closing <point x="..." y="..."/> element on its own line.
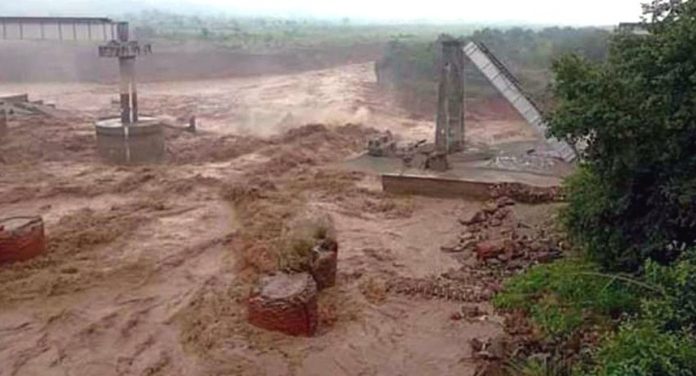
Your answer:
<point x="285" y="303"/>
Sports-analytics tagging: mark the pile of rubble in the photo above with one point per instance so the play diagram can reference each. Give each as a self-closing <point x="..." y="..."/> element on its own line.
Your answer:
<point x="20" y="105"/>
<point x="441" y="288"/>
<point x="496" y="237"/>
<point x="414" y="154"/>
<point x="492" y="245"/>
<point x="382" y="145"/>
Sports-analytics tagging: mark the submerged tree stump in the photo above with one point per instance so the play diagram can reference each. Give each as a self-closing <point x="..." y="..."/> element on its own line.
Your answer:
<point x="324" y="263"/>
<point x="21" y="238"/>
<point x="285" y="303"/>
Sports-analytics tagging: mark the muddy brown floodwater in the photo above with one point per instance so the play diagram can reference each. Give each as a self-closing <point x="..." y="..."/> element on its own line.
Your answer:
<point x="141" y="276"/>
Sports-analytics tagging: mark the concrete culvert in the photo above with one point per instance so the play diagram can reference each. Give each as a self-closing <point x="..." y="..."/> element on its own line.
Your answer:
<point x="21" y="238"/>
<point x="285" y="303"/>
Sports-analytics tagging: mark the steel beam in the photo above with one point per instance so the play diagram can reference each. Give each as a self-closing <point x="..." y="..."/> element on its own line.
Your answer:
<point x="52" y="28"/>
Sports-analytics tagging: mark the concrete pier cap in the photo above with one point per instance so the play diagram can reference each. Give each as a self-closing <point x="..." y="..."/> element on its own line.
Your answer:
<point x="141" y="142"/>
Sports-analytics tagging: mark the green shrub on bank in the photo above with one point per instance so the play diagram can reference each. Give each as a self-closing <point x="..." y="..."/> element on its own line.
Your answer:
<point x="657" y="338"/>
<point x="660" y="340"/>
<point x="641" y="349"/>
<point x="562" y="296"/>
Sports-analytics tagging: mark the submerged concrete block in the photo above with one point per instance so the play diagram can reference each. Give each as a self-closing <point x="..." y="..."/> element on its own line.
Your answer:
<point x="21" y="238"/>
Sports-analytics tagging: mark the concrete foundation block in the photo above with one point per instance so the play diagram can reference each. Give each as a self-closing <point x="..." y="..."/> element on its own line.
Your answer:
<point x="285" y="303"/>
<point x="21" y="238"/>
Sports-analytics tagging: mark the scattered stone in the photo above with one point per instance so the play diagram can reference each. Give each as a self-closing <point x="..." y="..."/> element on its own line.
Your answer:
<point x="491" y="349"/>
<point x="472" y="312"/>
<point x="383" y="145"/>
<point x="502" y="214"/>
<point x="469" y="244"/>
<point x="285" y="303"/>
<point x="452" y="248"/>
<point x="476" y="344"/>
<point x="495" y="222"/>
<point x="527" y="194"/>
<point x="496" y="347"/>
<point x="476" y="218"/>
<point x="504" y="201"/>
<point x="490" y="208"/>
<point x="486" y="250"/>
<point x="546" y="257"/>
<point x="466" y="236"/>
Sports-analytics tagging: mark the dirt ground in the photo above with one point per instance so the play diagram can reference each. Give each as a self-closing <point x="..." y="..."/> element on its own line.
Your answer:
<point x="142" y="276"/>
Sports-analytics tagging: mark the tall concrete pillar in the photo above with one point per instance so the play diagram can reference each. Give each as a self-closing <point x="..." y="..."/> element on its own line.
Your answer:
<point x="127" y="88"/>
<point x="449" y="133"/>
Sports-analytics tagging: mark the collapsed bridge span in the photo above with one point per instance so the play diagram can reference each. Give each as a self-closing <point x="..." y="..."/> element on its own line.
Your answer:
<point x="508" y="85"/>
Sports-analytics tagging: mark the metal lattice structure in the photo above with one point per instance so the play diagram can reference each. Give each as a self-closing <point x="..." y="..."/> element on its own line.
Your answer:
<point x="508" y="85"/>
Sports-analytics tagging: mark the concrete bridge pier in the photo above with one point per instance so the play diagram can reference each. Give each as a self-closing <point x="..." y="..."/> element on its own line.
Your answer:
<point x="449" y="134"/>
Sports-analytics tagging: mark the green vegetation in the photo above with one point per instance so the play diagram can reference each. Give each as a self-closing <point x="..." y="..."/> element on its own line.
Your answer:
<point x="632" y="205"/>
<point x="562" y="296"/>
<point x="636" y="196"/>
<point x="649" y="319"/>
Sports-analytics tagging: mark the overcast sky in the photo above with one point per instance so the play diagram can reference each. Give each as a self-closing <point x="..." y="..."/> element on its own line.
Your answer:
<point x="572" y="12"/>
<point x="594" y="12"/>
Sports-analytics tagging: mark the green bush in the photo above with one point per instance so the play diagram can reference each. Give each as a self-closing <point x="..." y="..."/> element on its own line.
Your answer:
<point x="641" y="349"/>
<point x="675" y="308"/>
<point x="562" y="296"/>
<point x="592" y="220"/>
<point x="660" y="340"/>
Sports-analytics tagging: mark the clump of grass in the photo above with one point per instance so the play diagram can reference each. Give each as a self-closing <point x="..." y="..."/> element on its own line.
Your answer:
<point x="299" y="236"/>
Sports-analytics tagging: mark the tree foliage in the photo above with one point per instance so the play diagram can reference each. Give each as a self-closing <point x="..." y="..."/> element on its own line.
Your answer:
<point x="635" y="197"/>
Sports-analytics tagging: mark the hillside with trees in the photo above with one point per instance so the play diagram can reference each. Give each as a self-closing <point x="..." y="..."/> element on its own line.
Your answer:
<point x="410" y="68"/>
